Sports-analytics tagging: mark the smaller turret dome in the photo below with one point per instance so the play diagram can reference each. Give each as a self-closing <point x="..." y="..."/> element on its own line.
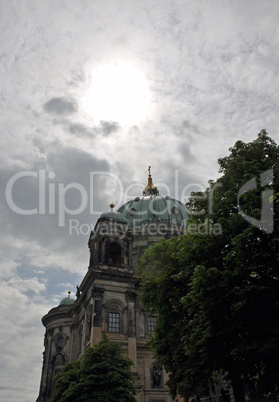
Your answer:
<point x="117" y="216"/>
<point x="67" y="301"/>
<point x="113" y="215"/>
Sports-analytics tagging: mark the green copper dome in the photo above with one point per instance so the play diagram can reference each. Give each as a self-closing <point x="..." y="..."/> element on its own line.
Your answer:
<point x="154" y="208"/>
<point x="113" y="215"/>
<point x="67" y="301"/>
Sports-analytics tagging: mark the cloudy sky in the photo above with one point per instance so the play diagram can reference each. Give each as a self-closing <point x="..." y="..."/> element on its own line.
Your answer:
<point x="92" y="93"/>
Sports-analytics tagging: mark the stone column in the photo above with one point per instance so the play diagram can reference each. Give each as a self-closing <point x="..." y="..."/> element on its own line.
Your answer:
<point x="45" y="381"/>
<point x="131" y="327"/>
<point x="96" y="330"/>
<point x="75" y="343"/>
<point x="84" y="320"/>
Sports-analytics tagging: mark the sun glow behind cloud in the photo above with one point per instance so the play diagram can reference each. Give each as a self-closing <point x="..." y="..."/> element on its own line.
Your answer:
<point x="118" y="91"/>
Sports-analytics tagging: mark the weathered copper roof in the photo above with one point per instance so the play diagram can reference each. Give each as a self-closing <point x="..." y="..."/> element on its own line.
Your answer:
<point x="154" y="208"/>
<point x="114" y="216"/>
<point x="67" y="301"/>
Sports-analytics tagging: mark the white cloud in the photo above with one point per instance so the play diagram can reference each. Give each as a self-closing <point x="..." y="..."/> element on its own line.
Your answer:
<point x="21" y="340"/>
<point x="26" y="285"/>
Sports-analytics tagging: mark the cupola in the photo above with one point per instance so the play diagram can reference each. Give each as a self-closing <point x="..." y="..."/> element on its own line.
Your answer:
<point x="67" y="301"/>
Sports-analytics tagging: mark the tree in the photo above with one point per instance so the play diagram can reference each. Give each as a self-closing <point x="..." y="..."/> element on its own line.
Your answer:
<point x="216" y="289"/>
<point x="102" y="374"/>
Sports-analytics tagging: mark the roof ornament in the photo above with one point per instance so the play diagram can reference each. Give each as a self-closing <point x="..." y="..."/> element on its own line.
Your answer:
<point x="150" y="189"/>
<point x="111" y="206"/>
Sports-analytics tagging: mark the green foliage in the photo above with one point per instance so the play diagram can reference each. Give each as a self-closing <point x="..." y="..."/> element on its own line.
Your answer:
<point x="217" y="297"/>
<point x="102" y="374"/>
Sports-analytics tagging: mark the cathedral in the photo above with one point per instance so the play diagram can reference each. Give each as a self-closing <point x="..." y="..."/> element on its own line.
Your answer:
<point x="107" y="300"/>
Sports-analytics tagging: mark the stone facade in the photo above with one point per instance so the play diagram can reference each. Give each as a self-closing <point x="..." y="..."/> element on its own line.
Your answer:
<point x="108" y="302"/>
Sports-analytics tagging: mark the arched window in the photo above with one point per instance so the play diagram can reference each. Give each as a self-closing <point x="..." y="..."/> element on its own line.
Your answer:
<point x="113" y="322"/>
<point x="114" y="312"/>
<point x="114" y="254"/>
<point x="151" y="322"/>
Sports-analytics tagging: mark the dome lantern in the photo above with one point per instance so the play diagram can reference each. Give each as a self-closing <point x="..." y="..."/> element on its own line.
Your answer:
<point x="152" y="208"/>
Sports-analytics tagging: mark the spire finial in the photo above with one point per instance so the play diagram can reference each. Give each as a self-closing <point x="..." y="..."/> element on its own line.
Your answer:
<point x="112" y="205"/>
<point x="150" y="189"/>
<point x="69" y="293"/>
